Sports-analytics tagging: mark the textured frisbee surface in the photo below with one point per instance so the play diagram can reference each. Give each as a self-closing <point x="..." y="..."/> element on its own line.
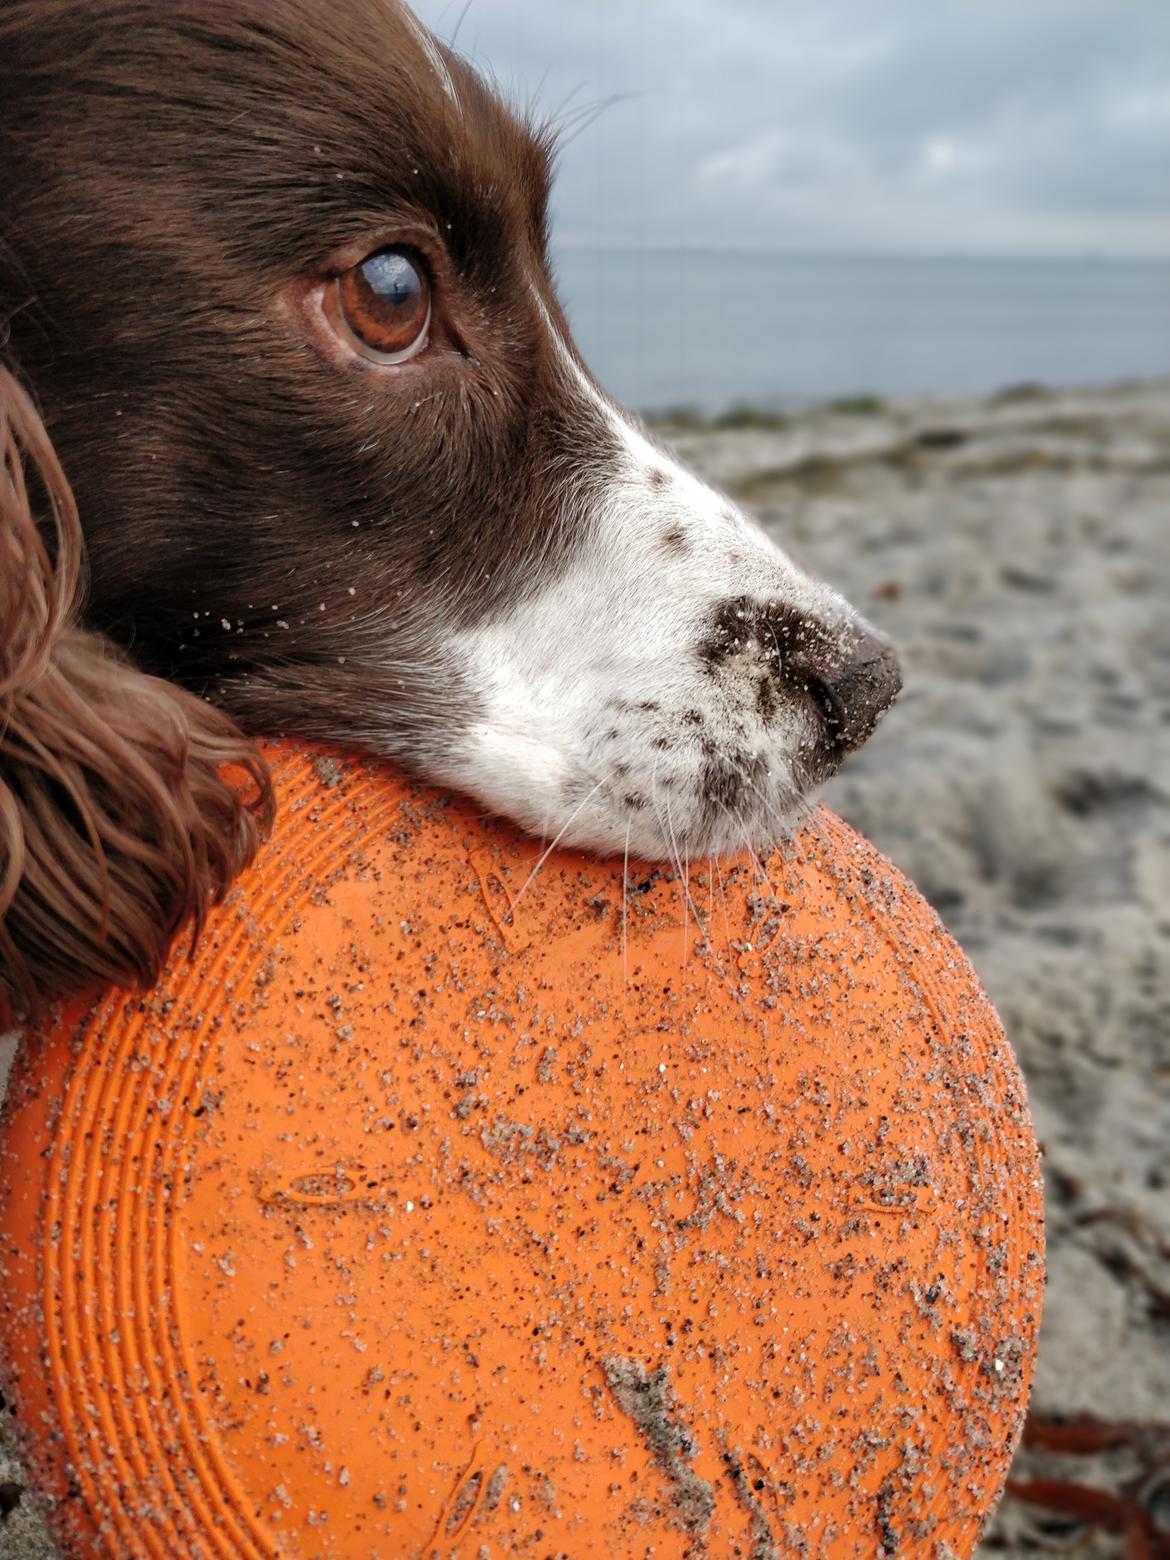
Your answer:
<point x="649" y="1218"/>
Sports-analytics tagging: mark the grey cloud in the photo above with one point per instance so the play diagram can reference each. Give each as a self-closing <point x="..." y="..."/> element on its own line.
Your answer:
<point x="1018" y="125"/>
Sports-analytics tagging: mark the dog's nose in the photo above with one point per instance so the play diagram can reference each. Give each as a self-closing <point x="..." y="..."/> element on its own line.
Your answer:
<point x="847" y="672"/>
<point x="854" y="693"/>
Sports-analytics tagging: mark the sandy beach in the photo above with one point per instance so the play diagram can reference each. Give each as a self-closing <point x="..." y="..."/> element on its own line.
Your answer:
<point x="1018" y="551"/>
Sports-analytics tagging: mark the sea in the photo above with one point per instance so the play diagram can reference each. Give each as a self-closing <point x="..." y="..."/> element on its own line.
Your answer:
<point x="707" y="330"/>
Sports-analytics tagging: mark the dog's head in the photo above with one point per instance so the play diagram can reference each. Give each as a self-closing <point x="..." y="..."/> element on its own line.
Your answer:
<point x="281" y="283"/>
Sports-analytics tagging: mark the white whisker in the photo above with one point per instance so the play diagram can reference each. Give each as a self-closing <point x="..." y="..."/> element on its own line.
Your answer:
<point x="626" y="910"/>
<point x="683" y="870"/>
<point x="547" y="852"/>
<point x="723" y="897"/>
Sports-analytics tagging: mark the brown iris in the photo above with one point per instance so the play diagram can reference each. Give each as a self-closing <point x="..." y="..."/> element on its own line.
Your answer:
<point x="382" y="306"/>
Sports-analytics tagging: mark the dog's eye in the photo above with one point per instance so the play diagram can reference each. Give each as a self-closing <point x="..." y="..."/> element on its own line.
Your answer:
<point x="382" y="306"/>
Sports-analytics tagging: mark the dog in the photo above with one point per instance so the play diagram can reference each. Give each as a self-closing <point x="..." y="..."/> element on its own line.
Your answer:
<point x="282" y="342"/>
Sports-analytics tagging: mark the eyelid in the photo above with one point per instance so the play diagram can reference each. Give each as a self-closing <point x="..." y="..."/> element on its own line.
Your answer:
<point x="418" y="238"/>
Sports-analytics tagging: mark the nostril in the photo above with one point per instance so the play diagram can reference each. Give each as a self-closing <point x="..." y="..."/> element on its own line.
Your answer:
<point x="856" y="694"/>
<point x="845" y="670"/>
<point x="825" y="700"/>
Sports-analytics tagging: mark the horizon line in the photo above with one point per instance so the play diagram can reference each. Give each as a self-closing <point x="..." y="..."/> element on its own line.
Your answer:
<point x="580" y="243"/>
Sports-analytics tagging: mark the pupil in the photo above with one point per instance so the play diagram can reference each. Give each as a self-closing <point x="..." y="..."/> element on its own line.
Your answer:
<point x="391" y="277"/>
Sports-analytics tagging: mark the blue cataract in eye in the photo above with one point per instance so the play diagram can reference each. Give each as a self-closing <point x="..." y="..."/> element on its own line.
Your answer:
<point x="392" y="276"/>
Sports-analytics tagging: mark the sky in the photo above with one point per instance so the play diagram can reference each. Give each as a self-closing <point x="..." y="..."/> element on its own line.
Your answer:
<point x="1014" y="127"/>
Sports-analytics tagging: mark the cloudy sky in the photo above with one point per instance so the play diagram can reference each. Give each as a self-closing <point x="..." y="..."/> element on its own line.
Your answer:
<point x="938" y="126"/>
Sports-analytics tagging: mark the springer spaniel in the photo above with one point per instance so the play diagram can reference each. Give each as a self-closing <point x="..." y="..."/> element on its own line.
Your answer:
<point x="274" y="274"/>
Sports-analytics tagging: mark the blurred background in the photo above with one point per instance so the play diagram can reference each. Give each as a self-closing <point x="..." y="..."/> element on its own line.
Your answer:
<point x="790" y="202"/>
<point x="898" y="276"/>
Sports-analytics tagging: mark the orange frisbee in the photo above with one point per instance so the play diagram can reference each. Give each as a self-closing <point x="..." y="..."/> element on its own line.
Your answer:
<point x="437" y="1209"/>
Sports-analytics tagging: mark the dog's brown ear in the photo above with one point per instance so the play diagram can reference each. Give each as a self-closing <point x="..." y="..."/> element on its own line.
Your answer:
<point x="127" y="806"/>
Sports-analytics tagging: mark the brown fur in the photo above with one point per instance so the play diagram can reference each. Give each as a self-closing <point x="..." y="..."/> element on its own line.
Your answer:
<point x="117" y="822"/>
<point x="258" y="529"/>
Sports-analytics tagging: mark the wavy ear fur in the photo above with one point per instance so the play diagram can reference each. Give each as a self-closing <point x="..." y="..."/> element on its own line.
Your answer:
<point x="118" y="823"/>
